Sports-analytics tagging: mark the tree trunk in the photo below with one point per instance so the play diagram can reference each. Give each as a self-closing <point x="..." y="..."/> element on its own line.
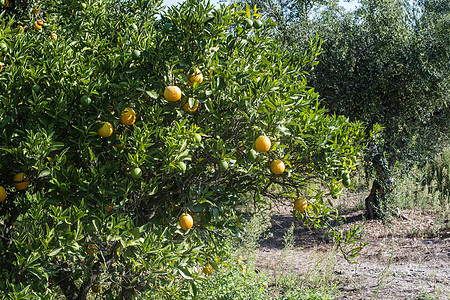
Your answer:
<point x="373" y="202"/>
<point x="378" y="204"/>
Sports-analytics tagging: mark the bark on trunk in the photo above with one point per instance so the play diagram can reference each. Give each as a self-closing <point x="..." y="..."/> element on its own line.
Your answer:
<point x="373" y="202"/>
<point x="378" y="201"/>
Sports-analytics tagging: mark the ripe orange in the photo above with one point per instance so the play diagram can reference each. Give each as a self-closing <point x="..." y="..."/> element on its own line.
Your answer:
<point x="117" y="143"/>
<point x="112" y="106"/>
<point x="208" y="269"/>
<point x="186" y="221"/>
<point x="2" y="194"/>
<point x="1" y="66"/>
<point x="189" y="109"/>
<point x="38" y="24"/>
<point x="54" y="36"/>
<point x="239" y="259"/>
<point x="106" y="130"/>
<point x="277" y="166"/>
<point x="96" y="288"/>
<point x="243" y="269"/>
<point x="197" y="76"/>
<point x="172" y="93"/>
<point x="128" y="116"/>
<point x="108" y="207"/>
<point x="35" y="11"/>
<point x="91" y="249"/>
<point x="300" y="204"/>
<point x="262" y="143"/>
<point x="21" y="181"/>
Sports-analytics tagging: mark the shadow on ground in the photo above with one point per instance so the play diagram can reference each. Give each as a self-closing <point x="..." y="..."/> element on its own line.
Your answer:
<point x="304" y="238"/>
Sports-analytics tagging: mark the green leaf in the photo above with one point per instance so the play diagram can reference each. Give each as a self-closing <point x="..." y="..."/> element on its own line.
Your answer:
<point x="55" y="252"/>
<point x="185" y="273"/>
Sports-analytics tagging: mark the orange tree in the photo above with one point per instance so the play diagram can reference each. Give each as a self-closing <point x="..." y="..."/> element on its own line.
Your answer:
<point x="111" y="158"/>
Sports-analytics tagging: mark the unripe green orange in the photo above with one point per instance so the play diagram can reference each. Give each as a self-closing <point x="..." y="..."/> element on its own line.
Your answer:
<point x="136" y="173"/>
<point x="257" y="24"/>
<point x="189" y="109"/>
<point x="223" y="165"/>
<point x="182" y="166"/>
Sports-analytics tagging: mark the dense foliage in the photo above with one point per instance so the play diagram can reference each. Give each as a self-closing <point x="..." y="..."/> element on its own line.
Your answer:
<point x="387" y="63"/>
<point x="97" y="209"/>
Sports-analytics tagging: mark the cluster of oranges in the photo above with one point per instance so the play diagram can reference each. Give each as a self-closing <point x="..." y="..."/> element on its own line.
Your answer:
<point x="20" y="182"/>
<point x="277" y="166"/>
<point x="262" y="144"/>
<point x="38" y="26"/>
<point x="127" y="118"/>
<point x="172" y="93"/>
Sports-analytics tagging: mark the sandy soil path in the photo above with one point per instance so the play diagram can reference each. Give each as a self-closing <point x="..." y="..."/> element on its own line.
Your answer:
<point x="408" y="259"/>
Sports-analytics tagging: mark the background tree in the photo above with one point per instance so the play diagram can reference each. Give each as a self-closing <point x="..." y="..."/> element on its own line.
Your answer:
<point x="291" y="17"/>
<point x="385" y="63"/>
<point x="100" y="158"/>
<point x="388" y="64"/>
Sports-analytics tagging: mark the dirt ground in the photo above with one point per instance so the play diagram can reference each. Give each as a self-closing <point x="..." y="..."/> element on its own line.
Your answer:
<point x="406" y="259"/>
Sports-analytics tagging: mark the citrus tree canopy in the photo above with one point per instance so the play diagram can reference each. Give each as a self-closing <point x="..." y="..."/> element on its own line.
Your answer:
<point x="100" y="159"/>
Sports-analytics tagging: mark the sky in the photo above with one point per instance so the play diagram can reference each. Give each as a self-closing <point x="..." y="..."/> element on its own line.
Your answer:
<point x="347" y="5"/>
